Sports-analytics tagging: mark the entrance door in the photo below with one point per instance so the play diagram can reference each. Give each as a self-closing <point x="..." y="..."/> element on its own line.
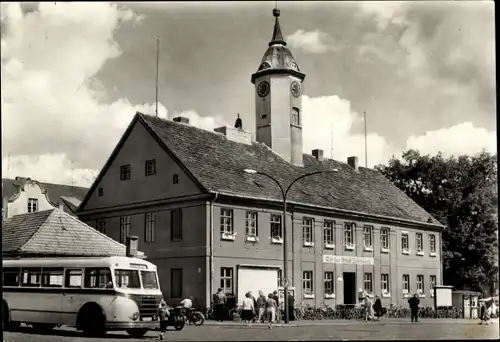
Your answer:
<point x="349" y="288"/>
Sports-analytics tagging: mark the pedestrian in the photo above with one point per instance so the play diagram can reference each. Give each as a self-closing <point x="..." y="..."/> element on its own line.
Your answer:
<point x="248" y="309"/>
<point x="368" y="307"/>
<point x="414" y="301"/>
<point x="378" y="307"/>
<point x="271" y="306"/>
<point x="291" y="307"/>
<point x="254" y="313"/>
<point x="261" y="306"/>
<point x="163" y="314"/>
<point x="219" y="305"/>
<point x="277" y="300"/>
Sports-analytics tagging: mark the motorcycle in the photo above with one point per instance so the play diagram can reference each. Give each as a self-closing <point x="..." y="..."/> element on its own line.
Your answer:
<point x="176" y="319"/>
<point x="195" y="317"/>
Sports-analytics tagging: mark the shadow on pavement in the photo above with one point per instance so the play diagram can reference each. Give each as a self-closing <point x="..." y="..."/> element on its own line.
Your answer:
<point x="65" y="332"/>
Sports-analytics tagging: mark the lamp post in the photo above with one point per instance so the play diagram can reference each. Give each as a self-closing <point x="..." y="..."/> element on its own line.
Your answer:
<point x="284" y="193"/>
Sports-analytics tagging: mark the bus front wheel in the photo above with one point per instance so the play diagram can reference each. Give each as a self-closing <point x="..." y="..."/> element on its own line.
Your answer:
<point x="137" y="333"/>
<point x="91" y="320"/>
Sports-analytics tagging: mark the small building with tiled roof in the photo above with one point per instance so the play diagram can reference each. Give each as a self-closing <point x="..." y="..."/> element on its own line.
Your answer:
<point x="25" y="195"/>
<point x="54" y="233"/>
<point x="206" y="223"/>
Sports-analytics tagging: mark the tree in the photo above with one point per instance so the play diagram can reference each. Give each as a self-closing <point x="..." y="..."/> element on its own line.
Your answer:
<point x="460" y="192"/>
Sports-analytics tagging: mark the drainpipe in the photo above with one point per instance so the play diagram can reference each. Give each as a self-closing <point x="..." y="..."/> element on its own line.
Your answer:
<point x="212" y="244"/>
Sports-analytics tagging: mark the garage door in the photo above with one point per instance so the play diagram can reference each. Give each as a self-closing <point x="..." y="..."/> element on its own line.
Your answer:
<point x="255" y="279"/>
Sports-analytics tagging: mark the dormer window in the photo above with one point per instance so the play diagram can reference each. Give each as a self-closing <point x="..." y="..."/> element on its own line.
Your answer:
<point x="264" y="66"/>
<point x="295" y="116"/>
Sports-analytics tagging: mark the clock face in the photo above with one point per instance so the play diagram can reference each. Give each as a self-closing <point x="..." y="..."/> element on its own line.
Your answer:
<point x="263" y="89"/>
<point x="295" y="89"/>
<point x="294" y="66"/>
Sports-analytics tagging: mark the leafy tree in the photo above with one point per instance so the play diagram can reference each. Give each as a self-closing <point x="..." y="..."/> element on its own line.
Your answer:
<point x="460" y="192"/>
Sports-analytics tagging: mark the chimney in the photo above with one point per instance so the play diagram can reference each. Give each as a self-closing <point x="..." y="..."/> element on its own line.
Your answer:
<point x="353" y="162"/>
<point x="318" y="154"/>
<point x="181" y="119"/>
<point x="131" y="246"/>
<point x="235" y="134"/>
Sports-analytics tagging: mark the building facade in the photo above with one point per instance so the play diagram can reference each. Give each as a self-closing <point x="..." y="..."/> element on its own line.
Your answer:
<point x="207" y="224"/>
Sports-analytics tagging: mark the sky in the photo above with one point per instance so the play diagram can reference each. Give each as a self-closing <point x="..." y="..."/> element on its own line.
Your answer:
<point x="74" y="75"/>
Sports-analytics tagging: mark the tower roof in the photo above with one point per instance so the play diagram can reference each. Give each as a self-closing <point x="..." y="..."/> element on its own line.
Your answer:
<point x="278" y="57"/>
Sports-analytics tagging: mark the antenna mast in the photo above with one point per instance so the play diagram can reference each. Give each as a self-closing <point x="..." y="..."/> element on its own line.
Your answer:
<point x="331" y="142"/>
<point x="366" y="145"/>
<point x="157" y="66"/>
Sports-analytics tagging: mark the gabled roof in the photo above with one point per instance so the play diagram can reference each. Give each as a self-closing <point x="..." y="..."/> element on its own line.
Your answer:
<point x="72" y="202"/>
<point x="218" y="163"/>
<point x="11" y="187"/>
<point x="55" y="233"/>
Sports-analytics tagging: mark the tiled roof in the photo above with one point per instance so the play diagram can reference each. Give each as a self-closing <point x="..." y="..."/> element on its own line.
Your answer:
<point x="218" y="163"/>
<point x="55" y="233"/>
<point x="54" y="191"/>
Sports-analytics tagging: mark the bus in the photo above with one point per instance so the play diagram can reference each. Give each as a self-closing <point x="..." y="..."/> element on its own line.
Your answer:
<point x="94" y="295"/>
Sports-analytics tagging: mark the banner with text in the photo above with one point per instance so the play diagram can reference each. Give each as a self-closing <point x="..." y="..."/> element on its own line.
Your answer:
<point x="350" y="260"/>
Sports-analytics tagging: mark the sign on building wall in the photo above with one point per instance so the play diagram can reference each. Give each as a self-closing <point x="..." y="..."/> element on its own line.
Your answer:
<point x="349" y="260"/>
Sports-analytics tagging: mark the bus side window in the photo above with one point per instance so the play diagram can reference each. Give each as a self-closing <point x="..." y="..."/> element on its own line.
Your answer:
<point x="74" y="278"/>
<point x="52" y="277"/>
<point x="97" y="278"/>
<point x="11" y="276"/>
<point x="31" y="277"/>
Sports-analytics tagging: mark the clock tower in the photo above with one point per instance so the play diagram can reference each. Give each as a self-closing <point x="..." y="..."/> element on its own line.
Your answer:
<point x="278" y="99"/>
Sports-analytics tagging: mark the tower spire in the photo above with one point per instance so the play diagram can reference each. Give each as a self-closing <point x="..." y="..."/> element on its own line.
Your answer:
<point x="277" y="36"/>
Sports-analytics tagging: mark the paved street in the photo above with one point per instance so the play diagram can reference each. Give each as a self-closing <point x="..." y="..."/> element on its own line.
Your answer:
<point x="336" y="330"/>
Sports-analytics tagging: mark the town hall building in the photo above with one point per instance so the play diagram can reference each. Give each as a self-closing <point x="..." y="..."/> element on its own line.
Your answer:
<point x="206" y="223"/>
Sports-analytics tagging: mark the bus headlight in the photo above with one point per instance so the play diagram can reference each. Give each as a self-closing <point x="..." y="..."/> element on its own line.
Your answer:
<point x="135" y="316"/>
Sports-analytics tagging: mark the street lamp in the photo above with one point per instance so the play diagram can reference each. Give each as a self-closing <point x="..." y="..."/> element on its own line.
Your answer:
<point x="284" y="193"/>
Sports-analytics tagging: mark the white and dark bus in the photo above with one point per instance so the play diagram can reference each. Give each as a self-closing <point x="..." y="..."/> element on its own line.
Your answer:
<point x="94" y="295"/>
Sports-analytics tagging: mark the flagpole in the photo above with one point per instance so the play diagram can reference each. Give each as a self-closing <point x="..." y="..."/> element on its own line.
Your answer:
<point x="157" y="70"/>
<point x="366" y="145"/>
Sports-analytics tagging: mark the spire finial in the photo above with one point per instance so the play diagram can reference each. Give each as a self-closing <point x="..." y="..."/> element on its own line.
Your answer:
<point x="277" y="36"/>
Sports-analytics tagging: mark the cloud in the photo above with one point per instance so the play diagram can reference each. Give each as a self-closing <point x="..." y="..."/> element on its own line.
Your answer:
<point x="312" y="41"/>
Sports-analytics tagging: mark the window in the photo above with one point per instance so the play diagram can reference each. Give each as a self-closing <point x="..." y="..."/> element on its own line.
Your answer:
<point x="384" y="280"/>
<point x="307" y="231"/>
<point x="11" y="276"/>
<point x="420" y="283"/>
<point x="367" y="237"/>
<point x="124" y="228"/>
<point x="226" y="279"/>
<point x="432" y="283"/>
<point x="125" y="172"/>
<point x="52" y="277"/>
<point x="384" y="238"/>
<point x="32" y="277"/>
<point x="276" y="232"/>
<point x="149" y="227"/>
<point x="98" y="278"/>
<point x="176" y="283"/>
<point x="150" y="167"/>
<point x="100" y="192"/>
<point x="349" y="235"/>
<point x="251" y="224"/>
<point x="74" y="278"/>
<point x="295" y="116"/>
<point x="328" y="233"/>
<point x="329" y="286"/>
<point x="368" y="282"/>
<point x="101" y="226"/>
<point x="405" y="243"/>
<point x="176" y="225"/>
<point x="307" y="282"/>
<point x="406" y="283"/>
<point x="280" y="278"/>
<point x="419" y="242"/>
<point x="226" y="221"/>
<point x="432" y="243"/>
<point x="32" y="205"/>
<point x="175" y="179"/>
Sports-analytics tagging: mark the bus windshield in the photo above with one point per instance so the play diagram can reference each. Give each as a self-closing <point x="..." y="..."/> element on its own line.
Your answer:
<point x="127" y="279"/>
<point x="149" y="280"/>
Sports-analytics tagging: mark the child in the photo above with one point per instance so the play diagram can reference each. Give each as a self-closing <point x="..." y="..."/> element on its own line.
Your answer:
<point x="163" y="314"/>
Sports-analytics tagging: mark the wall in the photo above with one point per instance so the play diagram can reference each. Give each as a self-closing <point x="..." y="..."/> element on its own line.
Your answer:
<point x="20" y="204"/>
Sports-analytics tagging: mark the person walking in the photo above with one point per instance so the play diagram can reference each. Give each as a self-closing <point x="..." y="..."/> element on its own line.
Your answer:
<point x="368" y="306"/>
<point x="219" y="305"/>
<point x="414" y="301"/>
<point x="278" y="309"/>
<point x="163" y="314"/>
<point x="291" y="307"/>
<point x="271" y="306"/>
<point x="261" y="306"/>
<point x="378" y="307"/>
<point x="248" y="309"/>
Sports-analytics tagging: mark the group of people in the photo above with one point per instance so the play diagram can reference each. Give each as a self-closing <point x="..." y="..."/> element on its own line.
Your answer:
<point x="372" y="310"/>
<point x="488" y="309"/>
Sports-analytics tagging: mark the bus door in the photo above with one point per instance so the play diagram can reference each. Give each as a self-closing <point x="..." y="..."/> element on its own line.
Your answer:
<point x="73" y="295"/>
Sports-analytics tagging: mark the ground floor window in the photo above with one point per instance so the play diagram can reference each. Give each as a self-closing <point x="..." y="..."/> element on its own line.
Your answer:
<point x="406" y="283"/>
<point x="226" y="279"/>
<point x="384" y="278"/>
<point x="420" y="283"/>
<point x="368" y="282"/>
<point x="329" y="287"/>
<point x="307" y="282"/>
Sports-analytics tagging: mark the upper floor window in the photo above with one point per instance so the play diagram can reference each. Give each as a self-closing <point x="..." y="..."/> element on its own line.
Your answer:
<point x="226" y="279"/>
<point x="419" y="243"/>
<point x="406" y="283"/>
<point x="384" y="238"/>
<point x="368" y="282"/>
<point x="405" y="244"/>
<point x="32" y="205"/>
<point x="176" y="225"/>
<point x="150" y="167"/>
<point x="149" y="227"/>
<point x="124" y="228"/>
<point x="349" y="235"/>
<point x="175" y="179"/>
<point x="367" y="237"/>
<point x="420" y="283"/>
<point x="100" y="192"/>
<point x="251" y="227"/>
<point x="125" y="172"/>
<point x="101" y="226"/>
<point x="276" y="230"/>
<point x="307" y="230"/>
<point x="295" y="116"/>
<point x="328" y="234"/>
<point x="226" y="221"/>
<point x="432" y="244"/>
